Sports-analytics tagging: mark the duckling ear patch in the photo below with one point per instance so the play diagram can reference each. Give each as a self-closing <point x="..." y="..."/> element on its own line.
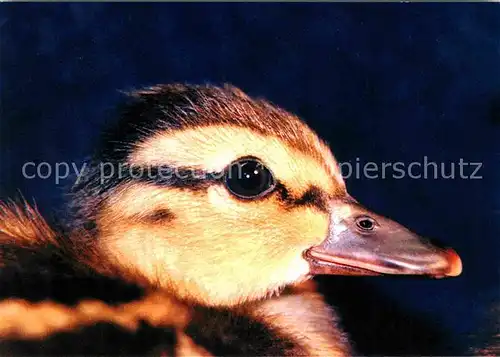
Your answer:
<point x="157" y="216"/>
<point x="160" y="216"/>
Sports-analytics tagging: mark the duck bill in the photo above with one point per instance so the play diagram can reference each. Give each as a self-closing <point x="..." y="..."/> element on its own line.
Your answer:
<point x="360" y="242"/>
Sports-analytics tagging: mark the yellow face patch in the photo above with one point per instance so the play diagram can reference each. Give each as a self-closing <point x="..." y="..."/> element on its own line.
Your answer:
<point x="215" y="249"/>
<point x="206" y="244"/>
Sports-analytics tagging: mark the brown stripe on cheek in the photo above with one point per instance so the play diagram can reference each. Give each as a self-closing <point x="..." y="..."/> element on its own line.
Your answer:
<point x="312" y="197"/>
<point x="156" y="216"/>
<point x="162" y="215"/>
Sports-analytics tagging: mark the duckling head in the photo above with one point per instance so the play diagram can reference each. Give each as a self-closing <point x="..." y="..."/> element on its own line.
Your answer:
<point x="222" y="199"/>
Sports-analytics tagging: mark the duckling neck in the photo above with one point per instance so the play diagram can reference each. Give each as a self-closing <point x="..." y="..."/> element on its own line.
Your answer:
<point x="297" y="323"/>
<point x="302" y="316"/>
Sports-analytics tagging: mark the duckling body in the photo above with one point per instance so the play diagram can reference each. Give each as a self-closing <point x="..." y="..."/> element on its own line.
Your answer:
<point x="52" y="304"/>
<point x="194" y="231"/>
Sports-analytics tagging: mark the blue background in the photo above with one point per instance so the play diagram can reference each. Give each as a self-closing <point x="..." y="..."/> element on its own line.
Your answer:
<point x="382" y="82"/>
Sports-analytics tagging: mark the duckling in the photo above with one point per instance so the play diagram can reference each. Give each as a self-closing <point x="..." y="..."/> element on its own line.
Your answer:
<point x="195" y="230"/>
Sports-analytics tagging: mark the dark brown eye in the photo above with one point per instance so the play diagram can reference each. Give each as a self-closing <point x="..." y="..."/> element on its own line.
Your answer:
<point x="249" y="178"/>
<point x="365" y="223"/>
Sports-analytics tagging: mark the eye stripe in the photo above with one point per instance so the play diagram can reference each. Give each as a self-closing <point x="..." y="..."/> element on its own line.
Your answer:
<point x="177" y="177"/>
<point x="199" y="179"/>
<point x="196" y="179"/>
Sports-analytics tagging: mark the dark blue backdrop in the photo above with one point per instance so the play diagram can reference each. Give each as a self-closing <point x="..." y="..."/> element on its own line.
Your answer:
<point x="382" y="82"/>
